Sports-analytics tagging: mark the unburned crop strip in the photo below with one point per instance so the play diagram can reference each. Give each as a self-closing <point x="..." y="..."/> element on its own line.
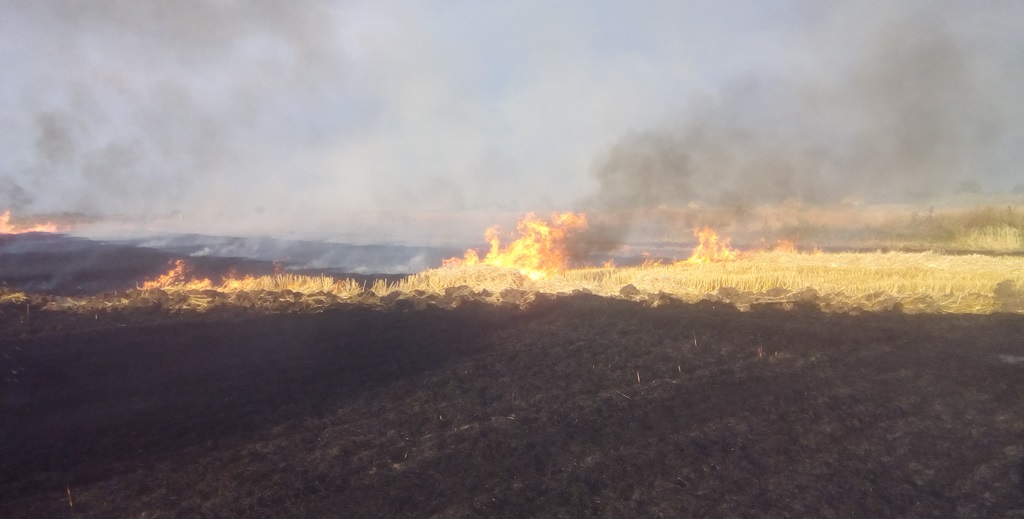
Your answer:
<point x="912" y="282"/>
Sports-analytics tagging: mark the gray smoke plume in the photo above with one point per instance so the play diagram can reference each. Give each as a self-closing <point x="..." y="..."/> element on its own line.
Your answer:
<point x="237" y="116"/>
<point x="914" y="109"/>
<point x="143" y="106"/>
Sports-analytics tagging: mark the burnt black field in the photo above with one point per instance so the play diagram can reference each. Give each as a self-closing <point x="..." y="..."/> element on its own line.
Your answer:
<point x="573" y="406"/>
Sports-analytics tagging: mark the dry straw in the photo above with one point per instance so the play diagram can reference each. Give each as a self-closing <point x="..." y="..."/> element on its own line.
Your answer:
<point x="925" y="282"/>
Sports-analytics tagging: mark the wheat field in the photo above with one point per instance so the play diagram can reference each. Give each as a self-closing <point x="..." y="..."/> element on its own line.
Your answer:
<point x="912" y="282"/>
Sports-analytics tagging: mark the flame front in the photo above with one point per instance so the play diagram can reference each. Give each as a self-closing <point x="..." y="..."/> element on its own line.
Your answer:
<point x="234" y="284"/>
<point x="7" y="228"/>
<point x="539" y="251"/>
<point x="785" y="246"/>
<point x="178" y="276"/>
<point x="710" y="249"/>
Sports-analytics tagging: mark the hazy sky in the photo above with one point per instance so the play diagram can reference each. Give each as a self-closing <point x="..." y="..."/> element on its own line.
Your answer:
<point x="315" y="107"/>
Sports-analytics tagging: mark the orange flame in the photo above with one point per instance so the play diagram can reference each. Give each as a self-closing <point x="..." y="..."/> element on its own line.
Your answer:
<point x="785" y="246"/>
<point x="7" y="228"/>
<point x="234" y="284"/>
<point x="711" y="248"/>
<point x="539" y="251"/>
<point x="649" y="261"/>
<point x="178" y="276"/>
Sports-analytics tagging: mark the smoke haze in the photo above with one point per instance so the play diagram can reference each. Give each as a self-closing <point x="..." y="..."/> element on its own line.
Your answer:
<point x="914" y="111"/>
<point x="269" y="116"/>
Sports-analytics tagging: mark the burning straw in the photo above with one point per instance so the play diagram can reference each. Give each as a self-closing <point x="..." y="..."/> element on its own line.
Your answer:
<point x="910" y="282"/>
<point x="536" y="262"/>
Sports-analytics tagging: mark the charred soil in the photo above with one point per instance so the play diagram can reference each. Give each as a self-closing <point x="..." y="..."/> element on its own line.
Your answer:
<point x="575" y="406"/>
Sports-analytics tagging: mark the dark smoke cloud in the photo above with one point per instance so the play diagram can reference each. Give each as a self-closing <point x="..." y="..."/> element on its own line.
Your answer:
<point x="12" y="195"/>
<point x="923" y="114"/>
<point x="265" y="116"/>
<point x="911" y="111"/>
<point x="145" y="107"/>
<point x="56" y="139"/>
<point x="907" y="121"/>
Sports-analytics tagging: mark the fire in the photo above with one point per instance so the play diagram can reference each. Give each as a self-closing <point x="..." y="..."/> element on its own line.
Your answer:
<point x="649" y="261"/>
<point x="539" y="251"/>
<point x="7" y="228"/>
<point x="785" y="246"/>
<point x="234" y="284"/>
<point x="711" y="248"/>
<point x="178" y="276"/>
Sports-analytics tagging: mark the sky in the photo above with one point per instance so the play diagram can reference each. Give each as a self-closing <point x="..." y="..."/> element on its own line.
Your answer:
<point x="303" y="112"/>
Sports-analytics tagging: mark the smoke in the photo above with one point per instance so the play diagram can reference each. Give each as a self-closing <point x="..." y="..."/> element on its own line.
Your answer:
<point x="260" y="115"/>
<point x="13" y="195"/>
<point x="902" y="109"/>
<point x="142" y="107"/>
<point x="922" y="114"/>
